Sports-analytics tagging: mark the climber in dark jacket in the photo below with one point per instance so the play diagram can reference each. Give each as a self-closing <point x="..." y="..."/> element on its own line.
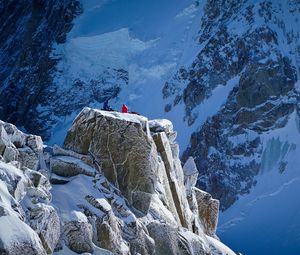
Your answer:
<point x="106" y="107"/>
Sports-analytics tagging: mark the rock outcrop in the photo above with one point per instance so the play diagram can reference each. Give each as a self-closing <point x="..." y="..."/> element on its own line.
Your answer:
<point x="124" y="148"/>
<point x="118" y="187"/>
<point x="143" y="203"/>
<point x="29" y="223"/>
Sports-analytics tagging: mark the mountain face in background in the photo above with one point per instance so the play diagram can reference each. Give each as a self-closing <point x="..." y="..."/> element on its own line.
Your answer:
<point x="255" y="47"/>
<point x="225" y="72"/>
<point x="28" y="30"/>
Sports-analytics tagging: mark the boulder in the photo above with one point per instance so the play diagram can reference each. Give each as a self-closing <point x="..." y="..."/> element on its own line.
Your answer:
<point x="190" y="174"/>
<point x="107" y="227"/>
<point x="109" y="234"/>
<point x="41" y="216"/>
<point x="35" y="143"/>
<point x="171" y="241"/>
<point x="123" y="145"/>
<point x="38" y="178"/>
<point x="196" y="223"/>
<point x="10" y="153"/>
<point x="58" y="151"/>
<point x="67" y="166"/>
<point x="78" y="233"/>
<point x="28" y="158"/>
<point x="20" y="239"/>
<point x="45" y="221"/>
<point x="15" y="180"/>
<point x="16" y="136"/>
<point x="141" y="242"/>
<point x="118" y="224"/>
<point x="163" y="125"/>
<point x="4" y="140"/>
<point x="208" y="209"/>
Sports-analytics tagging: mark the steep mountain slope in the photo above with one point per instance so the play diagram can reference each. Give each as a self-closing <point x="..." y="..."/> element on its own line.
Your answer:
<point x="247" y="152"/>
<point x="255" y="43"/>
<point x="270" y="213"/>
<point x="27" y="31"/>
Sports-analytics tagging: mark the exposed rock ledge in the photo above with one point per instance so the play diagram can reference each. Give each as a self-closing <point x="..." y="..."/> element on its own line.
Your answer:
<point x="118" y="187"/>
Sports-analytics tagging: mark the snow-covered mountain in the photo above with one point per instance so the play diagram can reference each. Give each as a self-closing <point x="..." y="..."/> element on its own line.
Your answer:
<point x="28" y="30"/>
<point x="224" y="71"/>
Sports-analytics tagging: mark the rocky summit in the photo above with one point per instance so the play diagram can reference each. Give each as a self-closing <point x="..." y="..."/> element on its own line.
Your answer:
<point x="117" y="186"/>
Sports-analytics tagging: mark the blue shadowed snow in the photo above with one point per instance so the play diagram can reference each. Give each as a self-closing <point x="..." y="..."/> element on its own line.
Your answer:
<point x="141" y="17"/>
<point x="267" y="221"/>
<point x="270" y="225"/>
<point x="149" y="39"/>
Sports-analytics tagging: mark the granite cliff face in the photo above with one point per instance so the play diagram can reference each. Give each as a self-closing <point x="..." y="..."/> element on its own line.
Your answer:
<point x="117" y="187"/>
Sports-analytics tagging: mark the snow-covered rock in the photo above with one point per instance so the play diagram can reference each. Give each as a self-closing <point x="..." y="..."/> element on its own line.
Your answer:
<point x="116" y="187"/>
<point x="163" y="125"/>
<point x="44" y="220"/>
<point x="125" y="151"/>
<point x="67" y="166"/>
<point x="168" y="240"/>
<point x="78" y="234"/>
<point x="30" y="225"/>
<point x="17" y="137"/>
<point x="175" y="178"/>
<point x="140" y="182"/>
<point x="208" y="209"/>
<point x="17" y="238"/>
<point x="11" y="153"/>
<point x="237" y="62"/>
<point x="190" y="174"/>
<point x="4" y="141"/>
<point x="28" y="158"/>
<point x="58" y="151"/>
<point x="35" y="143"/>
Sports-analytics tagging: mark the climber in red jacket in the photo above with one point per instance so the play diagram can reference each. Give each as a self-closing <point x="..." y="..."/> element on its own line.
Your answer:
<point x="124" y="108"/>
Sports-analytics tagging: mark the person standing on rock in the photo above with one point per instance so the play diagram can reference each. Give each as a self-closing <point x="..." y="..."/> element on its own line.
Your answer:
<point x="106" y="107"/>
<point x="124" y="108"/>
